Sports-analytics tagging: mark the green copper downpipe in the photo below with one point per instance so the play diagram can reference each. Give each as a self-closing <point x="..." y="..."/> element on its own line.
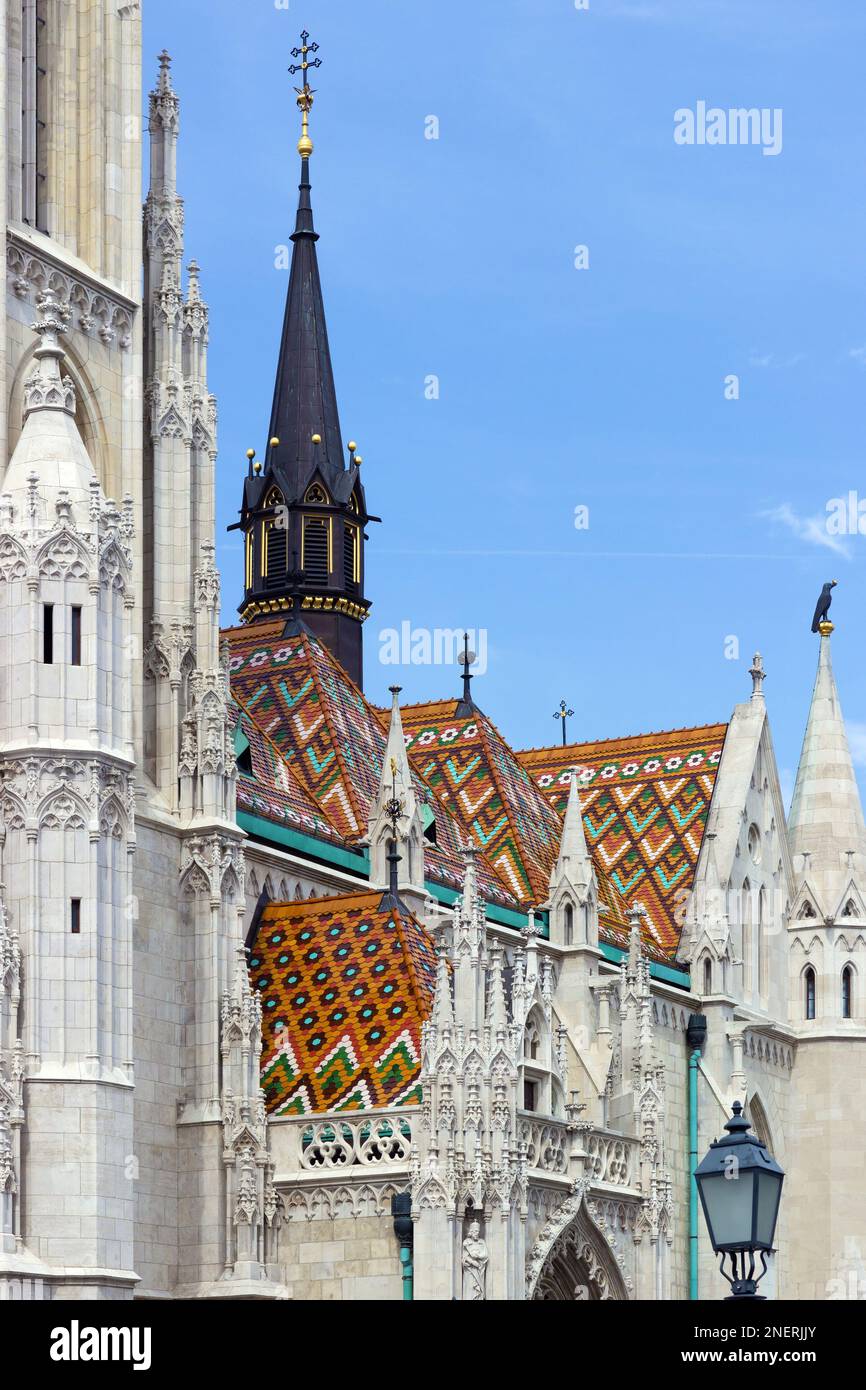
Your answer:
<point x="401" y="1209"/>
<point x="695" y="1035"/>
<point x="694" y="1059"/>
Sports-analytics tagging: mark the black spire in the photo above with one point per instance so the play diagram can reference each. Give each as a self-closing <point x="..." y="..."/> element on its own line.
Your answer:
<point x="305" y="398"/>
<point x="307" y="500"/>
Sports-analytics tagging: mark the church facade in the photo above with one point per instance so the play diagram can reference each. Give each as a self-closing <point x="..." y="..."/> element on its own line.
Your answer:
<point x="306" y="993"/>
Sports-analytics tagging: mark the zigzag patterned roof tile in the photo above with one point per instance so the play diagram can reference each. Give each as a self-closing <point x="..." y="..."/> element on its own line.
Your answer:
<point x="346" y="984"/>
<point x="645" y="811"/>
<point x="320" y="745"/>
<point x="467" y="762"/>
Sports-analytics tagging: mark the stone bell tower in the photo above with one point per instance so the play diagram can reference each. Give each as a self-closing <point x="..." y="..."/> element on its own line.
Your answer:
<point x="67" y="836"/>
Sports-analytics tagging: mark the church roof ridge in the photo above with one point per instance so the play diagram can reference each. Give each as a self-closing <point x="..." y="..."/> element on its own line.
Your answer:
<point x="558" y="748"/>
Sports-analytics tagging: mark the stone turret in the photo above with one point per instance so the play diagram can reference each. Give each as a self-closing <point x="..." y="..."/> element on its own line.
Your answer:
<point x="395" y="817"/>
<point x="828" y="842"/>
<point x="573" y="885"/>
<point x="468" y="1185"/>
<point x="182" y="746"/>
<point x="826" y="827"/>
<point x="67" y="838"/>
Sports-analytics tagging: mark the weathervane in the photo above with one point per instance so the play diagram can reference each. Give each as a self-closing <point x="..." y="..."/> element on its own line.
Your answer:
<point x="467" y="659"/>
<point x="306" y="92"/>
<point x="563" y="713"/>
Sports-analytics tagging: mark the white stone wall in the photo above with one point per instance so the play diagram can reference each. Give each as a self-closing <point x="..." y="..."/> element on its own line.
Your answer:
<point x="345" y="1258"/>
<point x="158" y="1033"/>
<point x="823" y="1201"/>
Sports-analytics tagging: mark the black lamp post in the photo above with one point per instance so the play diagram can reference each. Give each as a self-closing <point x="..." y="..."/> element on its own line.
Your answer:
<point x="740" y="1185"/>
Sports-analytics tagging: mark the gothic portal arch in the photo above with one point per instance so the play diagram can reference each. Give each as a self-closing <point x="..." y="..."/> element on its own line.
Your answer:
<point x="578" y="1265"/>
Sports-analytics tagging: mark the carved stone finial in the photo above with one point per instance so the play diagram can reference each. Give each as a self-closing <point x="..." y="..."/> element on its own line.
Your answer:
<point x="194" y="294"/>
<point x="759" y="675"/>
<point x="47" y="388"/>
<point x="53" y="317"/>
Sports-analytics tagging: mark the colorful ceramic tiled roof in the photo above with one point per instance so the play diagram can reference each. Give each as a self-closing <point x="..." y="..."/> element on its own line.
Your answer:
<point x="346" y="983"/>
<point x="473" y="771"/>
<point x="645" y="810"/>
<point x="314" y="716"/>
<point x="318" y="750"/>
<point x="273" y="792"/>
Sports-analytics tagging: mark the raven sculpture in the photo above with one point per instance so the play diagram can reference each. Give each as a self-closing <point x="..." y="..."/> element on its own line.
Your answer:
<point x="823" y="605"/>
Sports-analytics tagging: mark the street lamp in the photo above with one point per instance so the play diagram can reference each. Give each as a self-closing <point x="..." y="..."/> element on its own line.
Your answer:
<point x="740" y="1185"/>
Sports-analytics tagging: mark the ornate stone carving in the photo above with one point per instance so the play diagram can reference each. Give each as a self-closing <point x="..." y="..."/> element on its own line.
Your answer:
<point x="94" y="311"/>
<point x="474" y="1261"/>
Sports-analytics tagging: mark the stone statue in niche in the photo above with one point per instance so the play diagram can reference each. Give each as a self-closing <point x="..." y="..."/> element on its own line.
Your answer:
<point x="475" y="1261"/>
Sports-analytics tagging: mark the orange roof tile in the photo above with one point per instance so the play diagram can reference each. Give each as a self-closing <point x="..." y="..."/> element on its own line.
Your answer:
<point x="345" y="983"/>
<point x="645" y="811"/>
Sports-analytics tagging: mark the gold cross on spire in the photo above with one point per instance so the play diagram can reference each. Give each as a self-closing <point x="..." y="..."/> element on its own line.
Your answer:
<point x="305" y="92"/>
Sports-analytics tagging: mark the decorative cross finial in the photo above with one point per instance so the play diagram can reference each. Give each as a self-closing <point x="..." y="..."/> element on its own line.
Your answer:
<point x="758" y="674"/>
<point x="563" y="713"/>
<point x="305" y="91"/>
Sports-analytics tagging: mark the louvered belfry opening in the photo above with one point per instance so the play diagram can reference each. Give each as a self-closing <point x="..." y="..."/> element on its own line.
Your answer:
<point x="350" y="550"/>
<point x="275" y="560"/>
<point x="315" y="558"/>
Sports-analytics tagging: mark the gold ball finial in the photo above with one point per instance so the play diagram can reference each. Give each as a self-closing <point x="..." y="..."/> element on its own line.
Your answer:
<point x="251" y="453"/>
<point x="257" y="467"/>
<point x="305" y="147"/>
<point x="358" y="458"/>
<point x="316" y="438"/>
<point x="274" y="442"/>
<point x="352" y="446"/>
<point x="826" y="627"/>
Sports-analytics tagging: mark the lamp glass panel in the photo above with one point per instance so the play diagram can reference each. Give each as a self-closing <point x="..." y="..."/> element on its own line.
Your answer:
<point x="728" y="1204"/>
<point x="769" y="1188"/>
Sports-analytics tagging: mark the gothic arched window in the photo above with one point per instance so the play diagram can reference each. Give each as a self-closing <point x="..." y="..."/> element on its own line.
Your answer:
<point x="748" y="978"/>
<point x="569" y="925"/>
<point x="708" y="975"/>
<point x="762" y="945"/>
<point x="809" y="992"/>
<point x="847" y="991"/>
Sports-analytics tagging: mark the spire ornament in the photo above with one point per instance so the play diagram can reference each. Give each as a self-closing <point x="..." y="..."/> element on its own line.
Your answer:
<point x="759" y="675"/>
<point x="563" y="713"/>
<point x="821" y="621"/>
<point x="467" y="659"/>
<point x="305" y="92"/>
<point x="46" y="388"/>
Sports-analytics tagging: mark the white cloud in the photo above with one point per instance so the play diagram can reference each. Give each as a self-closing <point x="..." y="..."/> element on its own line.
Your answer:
<point x="812" y="529"/>
<point x="769" y="359"/>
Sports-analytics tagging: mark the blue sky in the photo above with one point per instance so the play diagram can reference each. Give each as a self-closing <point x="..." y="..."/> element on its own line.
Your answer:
<point x="559" y="387"/>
